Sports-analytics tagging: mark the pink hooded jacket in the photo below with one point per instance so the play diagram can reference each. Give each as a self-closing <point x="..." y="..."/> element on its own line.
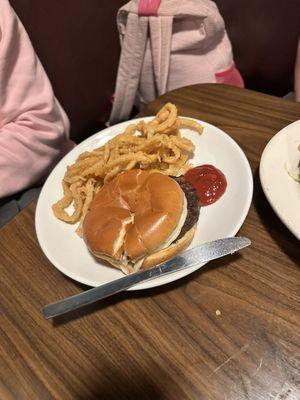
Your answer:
<point x="33" y="126"/>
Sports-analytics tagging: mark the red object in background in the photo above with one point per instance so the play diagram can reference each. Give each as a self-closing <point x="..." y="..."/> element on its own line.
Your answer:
<point x="209" y="182"/>
<point x="231" y="77"/>
<point x="148" y="7"/>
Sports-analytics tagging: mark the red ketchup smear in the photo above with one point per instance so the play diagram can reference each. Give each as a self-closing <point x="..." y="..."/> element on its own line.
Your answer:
<point x="209" y="182"/>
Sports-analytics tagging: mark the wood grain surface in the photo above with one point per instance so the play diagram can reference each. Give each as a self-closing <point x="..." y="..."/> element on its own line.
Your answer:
<point x="169" y="342"/>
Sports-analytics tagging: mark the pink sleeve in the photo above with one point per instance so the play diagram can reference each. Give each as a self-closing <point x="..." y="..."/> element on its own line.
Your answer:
<point x="33" y="126"/>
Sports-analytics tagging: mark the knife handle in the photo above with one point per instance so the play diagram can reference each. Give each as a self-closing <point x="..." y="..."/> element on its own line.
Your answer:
<point x="92" y="295"/>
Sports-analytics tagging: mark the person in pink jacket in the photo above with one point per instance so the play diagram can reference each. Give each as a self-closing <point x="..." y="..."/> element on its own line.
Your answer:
<point x="34" y="129"/>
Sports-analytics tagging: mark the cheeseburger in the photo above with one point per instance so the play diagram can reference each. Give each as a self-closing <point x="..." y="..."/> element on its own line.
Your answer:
<point x="140" y="219"/>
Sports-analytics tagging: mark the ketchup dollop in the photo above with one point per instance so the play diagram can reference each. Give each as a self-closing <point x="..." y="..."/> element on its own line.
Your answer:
<point x="209" y="182"/>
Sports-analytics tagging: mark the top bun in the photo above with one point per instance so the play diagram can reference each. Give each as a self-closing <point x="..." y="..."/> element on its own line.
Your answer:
<point x="133" y="216"/>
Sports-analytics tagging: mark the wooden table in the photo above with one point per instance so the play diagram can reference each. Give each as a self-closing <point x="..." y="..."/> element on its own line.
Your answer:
<point x="167" y="342"/>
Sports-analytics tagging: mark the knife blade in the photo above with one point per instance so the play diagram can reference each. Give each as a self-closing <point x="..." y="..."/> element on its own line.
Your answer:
<point x="190" y="258"/>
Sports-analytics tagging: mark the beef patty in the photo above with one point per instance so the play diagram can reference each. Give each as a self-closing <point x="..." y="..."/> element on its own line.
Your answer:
<point x="193" y="204"/>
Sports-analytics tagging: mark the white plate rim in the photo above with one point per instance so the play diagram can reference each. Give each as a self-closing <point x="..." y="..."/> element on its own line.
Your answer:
<point x="265" y="181"/>
<point x="151" y="284"/>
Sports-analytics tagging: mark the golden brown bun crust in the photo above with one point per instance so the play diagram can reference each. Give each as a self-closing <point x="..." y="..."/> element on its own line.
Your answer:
<point x="155" y="200"/>
<point x="171" y="251"/>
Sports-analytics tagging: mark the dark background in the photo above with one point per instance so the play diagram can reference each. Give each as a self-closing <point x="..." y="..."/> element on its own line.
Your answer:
<point x="78" y="44"/>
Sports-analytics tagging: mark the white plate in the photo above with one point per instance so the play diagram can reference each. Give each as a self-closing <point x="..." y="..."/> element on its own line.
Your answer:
<point x="282" y="192"/>
<point x="67" y="252"/>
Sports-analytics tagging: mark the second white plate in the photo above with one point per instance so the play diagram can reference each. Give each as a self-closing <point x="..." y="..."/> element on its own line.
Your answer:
<point x="282" y="192"/>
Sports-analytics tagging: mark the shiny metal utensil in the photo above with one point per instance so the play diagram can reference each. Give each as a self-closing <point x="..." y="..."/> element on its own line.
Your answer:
<point x="190" y="258"/>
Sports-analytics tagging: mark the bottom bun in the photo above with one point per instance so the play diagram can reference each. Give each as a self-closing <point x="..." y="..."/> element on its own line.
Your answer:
<point x="171" y="251"/>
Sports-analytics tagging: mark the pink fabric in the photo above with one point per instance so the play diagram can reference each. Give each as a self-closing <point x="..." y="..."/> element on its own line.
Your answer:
<point x="185" y="43"/>
<point x="33" y="126"/>
<point x="148" y="7"/>
<point x="231" y="77"/>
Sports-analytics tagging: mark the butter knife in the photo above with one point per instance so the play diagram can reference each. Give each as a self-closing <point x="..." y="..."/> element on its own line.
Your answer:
<point x="190" y="258"/>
